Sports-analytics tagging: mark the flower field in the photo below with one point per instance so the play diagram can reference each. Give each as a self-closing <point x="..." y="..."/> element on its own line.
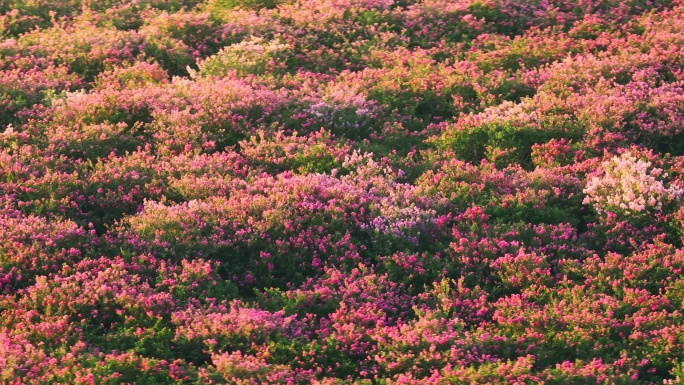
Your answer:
<point x="341" y="192"/>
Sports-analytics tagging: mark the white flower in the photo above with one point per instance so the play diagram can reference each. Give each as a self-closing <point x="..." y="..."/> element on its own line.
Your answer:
<point x="629" y="185"/>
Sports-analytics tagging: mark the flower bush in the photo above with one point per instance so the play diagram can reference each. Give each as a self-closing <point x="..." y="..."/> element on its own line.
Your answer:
<point x="341" y="192"/>
<point x="629" y="185"/>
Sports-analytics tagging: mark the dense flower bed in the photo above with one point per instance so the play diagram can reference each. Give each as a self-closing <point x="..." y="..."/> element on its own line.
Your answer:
<point x="341" y="192"/>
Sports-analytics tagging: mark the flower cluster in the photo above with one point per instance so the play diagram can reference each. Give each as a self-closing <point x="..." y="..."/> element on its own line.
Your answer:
<point x="629" y="185"/>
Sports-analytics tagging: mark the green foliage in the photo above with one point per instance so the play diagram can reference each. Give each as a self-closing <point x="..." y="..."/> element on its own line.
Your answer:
<point x="217" y="6"/>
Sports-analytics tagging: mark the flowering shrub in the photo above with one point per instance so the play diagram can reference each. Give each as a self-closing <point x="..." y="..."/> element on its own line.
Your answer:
<point x="237" y="368"/>
<point x="252" y="56"/>
<point x="315" y="153"/>
<point x="629" y="185"/>
<point x="22" y="88"/>
<point x="341" y="191"/>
